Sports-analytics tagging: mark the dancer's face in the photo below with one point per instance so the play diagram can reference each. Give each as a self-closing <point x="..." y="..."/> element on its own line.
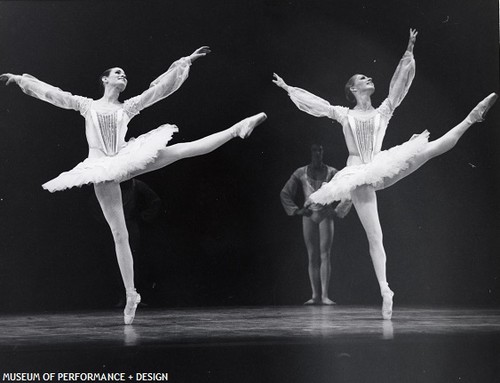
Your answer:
<point x="363" y="84"/>
<point x="116" y="78"/>
<point x="316" y="154"/>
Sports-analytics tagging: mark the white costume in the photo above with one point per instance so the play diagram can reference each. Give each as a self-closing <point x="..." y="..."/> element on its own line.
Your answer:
<point x="110" y="157"/>
<point x="364" y="132"/>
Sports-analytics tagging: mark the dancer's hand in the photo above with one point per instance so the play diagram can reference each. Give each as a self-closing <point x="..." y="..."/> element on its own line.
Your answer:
<point x="200" y="52"/>
<point x="308" y="203"/>
<point x="8" y="78"/>
<point x="412" y="39"/>
<point x="279" y="81"/>
<point x="343" y="208"/>
<point x="304" y="212"/>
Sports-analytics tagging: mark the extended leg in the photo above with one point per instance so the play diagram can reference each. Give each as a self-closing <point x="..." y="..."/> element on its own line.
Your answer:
<point x="202" y="146"/>
<point x="447" y="141"/>
<point x="110" y="199"/>
<point x="326" y="229"/>
<point x="311" y="239"/>
<point x="365" y="202"/>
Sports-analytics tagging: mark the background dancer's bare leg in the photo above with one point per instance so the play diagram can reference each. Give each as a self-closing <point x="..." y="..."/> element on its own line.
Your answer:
<point x="310" y="232"/>
<point x="326" y="228"/>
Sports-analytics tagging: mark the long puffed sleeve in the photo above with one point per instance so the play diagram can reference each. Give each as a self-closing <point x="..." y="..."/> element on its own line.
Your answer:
<point x="289" y="193"/>
<point x="45" y="92"/>
<point x="400" y="84"/>
<point x="314" y="105"/>
<point x="162" y="87"/>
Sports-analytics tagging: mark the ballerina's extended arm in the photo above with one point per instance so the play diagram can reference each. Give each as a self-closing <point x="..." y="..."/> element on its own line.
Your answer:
<point x="308" y="102"/>
<point x="167" y="83"/>
<point x="402" y="78"/>
<point x="45" y="92"/>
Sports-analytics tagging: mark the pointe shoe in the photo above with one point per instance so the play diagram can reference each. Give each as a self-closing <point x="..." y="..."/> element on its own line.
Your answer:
<point x="245" y="127"/>
<point x="479" y="112"/>
<point x="387" y="305"/>
<point x="133" y="299"/>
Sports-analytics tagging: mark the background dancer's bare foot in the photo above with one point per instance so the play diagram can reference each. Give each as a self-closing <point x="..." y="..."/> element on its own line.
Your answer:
<point x="327" y="301"/>
<point x="312" y="301"/>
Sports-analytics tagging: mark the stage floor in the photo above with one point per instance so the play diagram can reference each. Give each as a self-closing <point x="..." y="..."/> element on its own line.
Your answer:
<point x="260" y="344"/>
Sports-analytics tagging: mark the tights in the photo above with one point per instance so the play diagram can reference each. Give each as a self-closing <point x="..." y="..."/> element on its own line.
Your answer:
<point x="365" y="199"/>
<point x="110" y="197"/>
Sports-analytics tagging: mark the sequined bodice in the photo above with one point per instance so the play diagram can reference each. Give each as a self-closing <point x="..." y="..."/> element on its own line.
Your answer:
<point x="365" y="131"/>
<point x="108" y="130"/>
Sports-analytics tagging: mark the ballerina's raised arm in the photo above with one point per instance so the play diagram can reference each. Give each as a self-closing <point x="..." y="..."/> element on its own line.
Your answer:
<point x="43" y="91"/>
<point x="167" y="83"/>
<point x="308" y="102"/>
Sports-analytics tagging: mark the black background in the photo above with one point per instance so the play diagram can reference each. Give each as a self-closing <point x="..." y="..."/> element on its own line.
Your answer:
<point x="223" y="237"/>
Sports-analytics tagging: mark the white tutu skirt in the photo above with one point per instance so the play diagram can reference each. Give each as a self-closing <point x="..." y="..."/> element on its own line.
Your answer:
<point x="385" y="165"/>
<point x="133" y="156"/>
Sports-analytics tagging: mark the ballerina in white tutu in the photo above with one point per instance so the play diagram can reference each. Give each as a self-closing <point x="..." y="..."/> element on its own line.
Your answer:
<point x="368" y="168"/>
<point x="111" y="159"/>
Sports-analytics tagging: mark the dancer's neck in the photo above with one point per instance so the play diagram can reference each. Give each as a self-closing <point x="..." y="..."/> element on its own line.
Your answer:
<point x="317" y="165"/>
<point x="110" y="96"/>
<point x="363" y="102"/>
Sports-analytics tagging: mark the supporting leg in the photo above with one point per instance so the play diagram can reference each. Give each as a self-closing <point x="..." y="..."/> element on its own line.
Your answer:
<point x="365" y="202"/>
<point x="110" y="199"/>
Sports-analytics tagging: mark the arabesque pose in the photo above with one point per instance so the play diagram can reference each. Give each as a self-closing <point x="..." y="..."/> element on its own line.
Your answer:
<point x="111" y="159"/>
<point x="368" y="168"/>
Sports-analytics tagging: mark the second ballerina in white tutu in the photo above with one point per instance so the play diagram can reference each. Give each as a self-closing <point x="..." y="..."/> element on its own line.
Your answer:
<point x="111" y="159"/>
<point x="368" y="168"/>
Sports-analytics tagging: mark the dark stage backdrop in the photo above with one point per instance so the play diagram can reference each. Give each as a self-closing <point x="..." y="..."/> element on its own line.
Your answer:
<point x="222" y="237"/>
